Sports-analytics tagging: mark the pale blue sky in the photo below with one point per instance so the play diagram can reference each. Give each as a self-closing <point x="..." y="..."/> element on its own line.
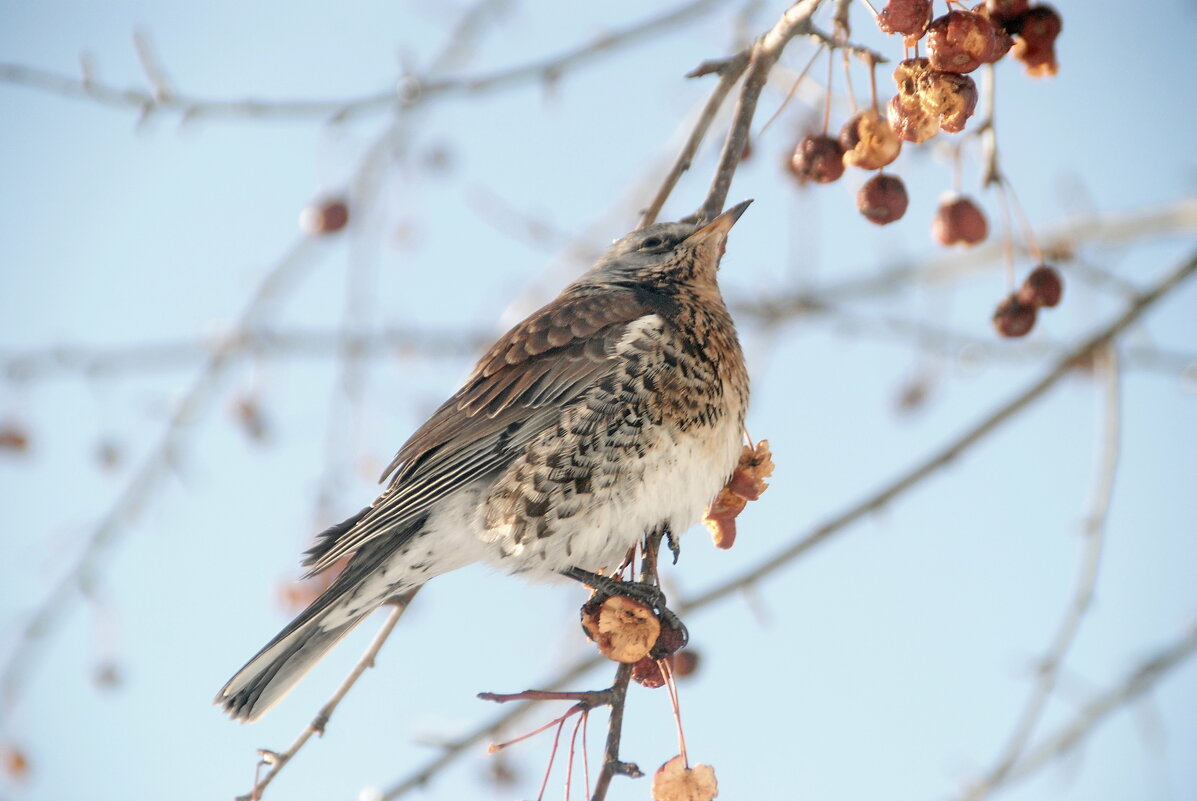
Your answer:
<point x="889" y="663"/>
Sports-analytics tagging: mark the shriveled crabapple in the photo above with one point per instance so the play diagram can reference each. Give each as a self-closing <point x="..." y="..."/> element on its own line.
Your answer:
<point x="882" y="199"/>
<point x="1013" y="318"/>
<point x="959" y="221"/>
<point x="961" y="41"/>
<point x="907" y="17"/>
<point x="325" y="217"/>
<point x="949" y="97"/>
<point x="1043" y="287"/>
<point x="817" y="158"/>
<point x="868" y="141"/>
<point x="1003" y="10"/>
<point x="1035" y="46"/>
<point x="909" y="120"/>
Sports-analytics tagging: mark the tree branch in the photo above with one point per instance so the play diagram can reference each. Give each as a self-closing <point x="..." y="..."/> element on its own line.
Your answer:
<point x="278" y="761"/>
<point x="409" y="91"/>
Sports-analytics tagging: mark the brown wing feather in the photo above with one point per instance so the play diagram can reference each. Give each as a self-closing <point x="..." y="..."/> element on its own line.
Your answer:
<point x="516" y="391"/>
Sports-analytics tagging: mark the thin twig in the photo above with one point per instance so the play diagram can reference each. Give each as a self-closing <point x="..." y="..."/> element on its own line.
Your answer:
<point x="278" y="761"/>
<point x="1139" y="681"/>
<point x="946" y="455"/>
<point x="204" y="389"/>
<point x="764" y="54"/>
<point x="190" y="106"/>
<point x="908" y="480"/>
<point x="729" y="72"/>
<point x="1094" y="533"/>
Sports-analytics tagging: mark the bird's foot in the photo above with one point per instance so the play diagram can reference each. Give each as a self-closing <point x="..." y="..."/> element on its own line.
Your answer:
<point x="647" y="594"/>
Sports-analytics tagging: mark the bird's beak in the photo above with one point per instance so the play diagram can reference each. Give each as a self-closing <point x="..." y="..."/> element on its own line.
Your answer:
<point x="718" y="227"/>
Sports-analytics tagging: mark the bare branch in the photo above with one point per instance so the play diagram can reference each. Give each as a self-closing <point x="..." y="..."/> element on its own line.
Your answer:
<point x="729" y="72"/>
<point x="409" y="91"/>
<point x="1094" y="533"/>
<point x="278" y="761"/>
<point x="763" y="55"/>
<point x="80" y="576"/>
<point x="953" y="450"/>
<point x="1138" y="682"/>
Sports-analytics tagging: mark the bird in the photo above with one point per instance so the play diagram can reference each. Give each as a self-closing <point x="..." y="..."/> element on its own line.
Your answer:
<point x="615" y="410"/>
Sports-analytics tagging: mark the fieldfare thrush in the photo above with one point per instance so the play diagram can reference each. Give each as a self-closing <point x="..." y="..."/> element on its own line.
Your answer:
<point x="614" y="411"/>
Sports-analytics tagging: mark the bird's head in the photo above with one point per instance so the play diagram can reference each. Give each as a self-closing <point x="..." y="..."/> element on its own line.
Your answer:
<point x="665" y="252"/>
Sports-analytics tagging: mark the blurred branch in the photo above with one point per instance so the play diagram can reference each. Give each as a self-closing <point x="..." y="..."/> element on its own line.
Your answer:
<point x="948" y="454"/>
<point x="1049" y="666"/>
<point x="1176" y="219"/>
<point x="260" y="342"/>
<point x="1139" y="681"/>
<point x="277" y="761"/>
<point x="410" y="89"/>
<point x="80" y="576"/>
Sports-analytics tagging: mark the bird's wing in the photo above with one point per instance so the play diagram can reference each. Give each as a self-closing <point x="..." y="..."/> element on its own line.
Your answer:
<point x="516" y="391"/>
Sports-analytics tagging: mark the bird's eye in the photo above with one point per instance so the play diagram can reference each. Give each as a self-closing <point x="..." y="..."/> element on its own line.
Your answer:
<point x="652" y="243"/>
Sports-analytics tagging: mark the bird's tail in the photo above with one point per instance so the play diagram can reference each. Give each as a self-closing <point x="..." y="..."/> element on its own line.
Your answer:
<point x="285" y="660"/>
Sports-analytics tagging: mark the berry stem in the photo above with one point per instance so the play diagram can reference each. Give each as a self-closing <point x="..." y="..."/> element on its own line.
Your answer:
<point x="790" y="94"/>
<point x="827" y="96"/>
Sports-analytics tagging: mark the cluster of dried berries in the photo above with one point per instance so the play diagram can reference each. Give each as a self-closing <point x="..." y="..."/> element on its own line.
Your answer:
<point x="1015" y="315"/>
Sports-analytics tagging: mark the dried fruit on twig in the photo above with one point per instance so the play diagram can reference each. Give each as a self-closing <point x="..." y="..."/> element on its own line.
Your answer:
<point x="907" y="17"/>
<point x="948" y="97"/>
<point x="325" y="217"/>
<point x="928" y="99"/>
<point x="745" y="484"/>
<point x="817" y="158"/>
<point x="647" y="673"/>
<point x="882" y="199"/>
<point x="1035" y="47"/>
<point x="1042" y="287"/>
<point x="959" y="222"/>
<point x="869" y="142"/>
<point x="1013" y="319"/>
<point x="685" y="663"/>
<point x="961" y="41"/>
<point x="624" y="629"/>
<point x="676" y="782"/>
<point x="1004" y="10"/>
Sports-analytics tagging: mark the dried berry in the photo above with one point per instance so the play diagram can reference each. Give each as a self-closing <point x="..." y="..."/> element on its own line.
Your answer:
<point x="1003" y="10"/>
<point x="907" y="17"/>
<point x="624" y="629"/>
<point x="1013" y="318"/>
<point x="959" y="222"/>
<point x="869" y="142"/>
<point x="1037" y="30"/>
<point x="326" y="217"/>
<point x="13" y="438"/>
<point x="647" y="673"/>
<point x="685" y="663"/>
<point x="745" y="484"/>
<point x="1042" y="287"/>
<point x="909" y="120"/>
<point x="961" y="41"/>
<point x="928" y="99"/>
<point x="674" y="781"/>
<point x="819" y="159"/>
<point x="882" y="199"/>
<point x="949" y="97"/>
